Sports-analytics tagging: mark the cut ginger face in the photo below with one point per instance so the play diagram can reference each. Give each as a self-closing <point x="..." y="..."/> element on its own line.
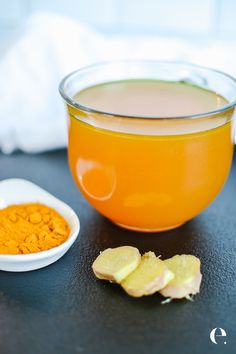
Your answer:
<point x="187" y="277"/>
<point x="115" y="264"/>
<point x="150" y="276"/>
<point x="174" y="278"/>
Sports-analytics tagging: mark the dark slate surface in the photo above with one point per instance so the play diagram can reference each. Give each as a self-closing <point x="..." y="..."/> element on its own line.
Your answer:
<point x="64" y="309"/>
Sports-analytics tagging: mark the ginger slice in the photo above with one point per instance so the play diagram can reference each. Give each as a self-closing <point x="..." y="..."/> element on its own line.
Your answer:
<point x="115" y="264"/>
<point x="187" y="280"/>
<point x="150" y="276"/>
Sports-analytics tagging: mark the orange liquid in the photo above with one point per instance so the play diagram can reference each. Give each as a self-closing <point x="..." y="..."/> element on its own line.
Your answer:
<point x="150" y="182"/>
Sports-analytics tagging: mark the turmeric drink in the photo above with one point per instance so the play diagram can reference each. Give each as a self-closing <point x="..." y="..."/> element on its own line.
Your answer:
<point x="146" y="154"/>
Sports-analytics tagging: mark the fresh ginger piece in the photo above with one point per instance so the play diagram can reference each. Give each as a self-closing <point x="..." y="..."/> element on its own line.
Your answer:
<point x="187" y="280"/>
<point x="115" y="264"/>
<point x="150" y="276"/>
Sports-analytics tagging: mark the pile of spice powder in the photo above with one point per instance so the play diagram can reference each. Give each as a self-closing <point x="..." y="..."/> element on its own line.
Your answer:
<point x="30" y="228"/>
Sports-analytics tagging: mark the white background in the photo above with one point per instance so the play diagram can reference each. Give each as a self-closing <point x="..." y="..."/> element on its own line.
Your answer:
<point x="199" y="19"/>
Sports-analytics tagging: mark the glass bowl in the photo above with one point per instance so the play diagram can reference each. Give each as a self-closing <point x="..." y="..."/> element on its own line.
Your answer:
<point x="149" y="173"/>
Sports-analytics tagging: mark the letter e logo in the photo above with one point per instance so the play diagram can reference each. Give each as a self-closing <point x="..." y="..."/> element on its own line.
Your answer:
<point x="217" y="332"/>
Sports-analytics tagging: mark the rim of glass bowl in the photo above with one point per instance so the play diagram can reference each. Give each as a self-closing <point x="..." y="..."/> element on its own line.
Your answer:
<point x="98" y="65"/>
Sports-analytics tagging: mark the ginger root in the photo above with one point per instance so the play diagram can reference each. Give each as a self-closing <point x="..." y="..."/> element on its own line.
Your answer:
<point x="150" y="276"/>
<point x="115" y="264"/>
<point x="187" y="279"/>
<point x="175" y="278"/>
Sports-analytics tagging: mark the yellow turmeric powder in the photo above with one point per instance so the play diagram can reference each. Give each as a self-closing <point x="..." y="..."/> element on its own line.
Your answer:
<point x="29" y="228"/>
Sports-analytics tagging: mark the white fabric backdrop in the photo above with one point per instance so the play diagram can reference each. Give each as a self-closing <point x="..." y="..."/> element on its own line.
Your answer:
<point x="32" y="114"/>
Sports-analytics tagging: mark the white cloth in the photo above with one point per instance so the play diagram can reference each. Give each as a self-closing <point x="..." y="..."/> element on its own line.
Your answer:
<point x="32" y="114"/>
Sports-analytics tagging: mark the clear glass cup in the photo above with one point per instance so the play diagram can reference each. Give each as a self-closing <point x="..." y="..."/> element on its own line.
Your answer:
<point x="149" y="173"/>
